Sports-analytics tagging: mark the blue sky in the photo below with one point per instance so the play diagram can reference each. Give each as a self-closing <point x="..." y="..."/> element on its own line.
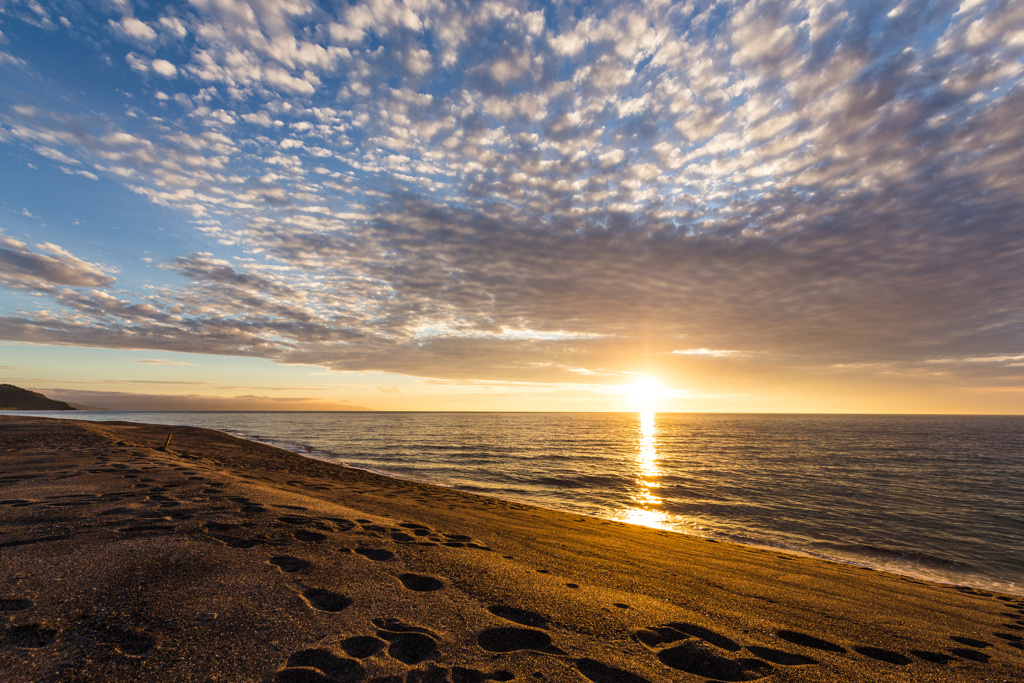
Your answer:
<point x="808" y="206"/>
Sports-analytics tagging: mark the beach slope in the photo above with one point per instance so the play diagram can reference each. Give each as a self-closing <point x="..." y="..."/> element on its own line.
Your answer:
<point x="220" y="559"/>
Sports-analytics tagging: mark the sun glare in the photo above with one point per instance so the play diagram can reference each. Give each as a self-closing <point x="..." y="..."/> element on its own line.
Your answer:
<point x="645" y="394"/>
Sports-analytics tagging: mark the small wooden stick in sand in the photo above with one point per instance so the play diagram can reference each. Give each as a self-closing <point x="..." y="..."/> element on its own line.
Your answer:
<point x="167" y="445"/>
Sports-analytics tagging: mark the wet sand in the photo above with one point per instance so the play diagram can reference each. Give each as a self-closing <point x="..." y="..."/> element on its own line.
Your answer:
<point x="227" y="560"/>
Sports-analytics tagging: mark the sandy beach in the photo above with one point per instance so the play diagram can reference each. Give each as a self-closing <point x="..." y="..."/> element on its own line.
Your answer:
<point x="220" y="559"/>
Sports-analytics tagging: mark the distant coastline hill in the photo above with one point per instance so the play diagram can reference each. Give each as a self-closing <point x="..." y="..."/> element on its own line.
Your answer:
<point x="79" y="406"/>
<point x="16" y="398"/>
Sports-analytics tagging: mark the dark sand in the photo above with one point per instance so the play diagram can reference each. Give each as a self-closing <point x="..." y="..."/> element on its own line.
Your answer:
<point x="226" y="560"/>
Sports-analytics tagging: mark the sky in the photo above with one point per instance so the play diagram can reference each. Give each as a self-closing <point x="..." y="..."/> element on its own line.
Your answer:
<point x="809" y="206"/>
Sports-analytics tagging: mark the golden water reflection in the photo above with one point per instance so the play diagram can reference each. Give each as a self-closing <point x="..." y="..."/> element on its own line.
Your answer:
<point x="645" y="499"/>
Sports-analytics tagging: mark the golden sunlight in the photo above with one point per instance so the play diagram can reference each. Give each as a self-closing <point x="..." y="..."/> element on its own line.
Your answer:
<point x="645" y="500"/>
<point x="645" y="394"/>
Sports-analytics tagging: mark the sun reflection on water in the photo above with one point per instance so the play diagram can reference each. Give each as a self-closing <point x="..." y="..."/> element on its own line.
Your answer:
<point x="645" y="499"/>
<point x="647" y="455"/>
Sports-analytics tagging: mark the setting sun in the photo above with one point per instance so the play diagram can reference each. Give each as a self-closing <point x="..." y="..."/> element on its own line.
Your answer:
<point x="645" y="394"/>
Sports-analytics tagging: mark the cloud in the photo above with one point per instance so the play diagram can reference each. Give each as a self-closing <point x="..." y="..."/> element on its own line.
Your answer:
<point x="26" y="269"/>
<point x="1017" y="358"/>
<point x="715" y="353"/>
<point x="87" y="174"/>
<point x="173" y="27"/>
<point x="133" y="29"/>
<point x="464" y="192"/>
<point x="259" y="118"/>
<point x="164" y="68"/>
<point x="56" y="155"/>
<point x="7" y="58"/>
<point x="137" y="63"/>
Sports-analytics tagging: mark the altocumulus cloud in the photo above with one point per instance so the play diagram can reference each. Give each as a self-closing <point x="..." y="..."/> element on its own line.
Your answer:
<point x="520" y="190"/>
<point x="23" y="268"/>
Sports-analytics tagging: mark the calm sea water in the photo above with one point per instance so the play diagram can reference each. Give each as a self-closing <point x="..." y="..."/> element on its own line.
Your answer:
<point x="937" y="497"/>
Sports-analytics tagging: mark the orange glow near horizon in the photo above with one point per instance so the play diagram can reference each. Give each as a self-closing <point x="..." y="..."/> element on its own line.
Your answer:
<point x="157" y="380"/>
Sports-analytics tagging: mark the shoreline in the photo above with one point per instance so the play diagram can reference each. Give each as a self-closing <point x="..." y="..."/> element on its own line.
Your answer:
<point x="890" y="561"/>
<point x="177" y="574"/>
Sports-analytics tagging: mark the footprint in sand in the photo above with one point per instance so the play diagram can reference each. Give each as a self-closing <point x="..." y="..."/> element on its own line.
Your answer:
<point x="408" y="644"/>
<point x="320" y="666"/>
<point x="289" y="564"/>
<point x="324" y="600"/>
<point x="376" y="554"/>
<point x="809" y="641"/>
<point x="417" y="582"/>
<point x="31" y="636"/>
<point x="507" y="639"/>
<point x="695" y="657"/>
<point x="362" y="647"/>
<point x="970" y="654"/>
<point x="14" y="604"/>
<point x="970" y="642"/>
<point x="602" y="673"/>
<point x="698" y="653"/>
<point x="307" y="536"/>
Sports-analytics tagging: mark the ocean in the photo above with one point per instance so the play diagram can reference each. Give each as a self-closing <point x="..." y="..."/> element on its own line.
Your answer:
<point x="933" y="497"/>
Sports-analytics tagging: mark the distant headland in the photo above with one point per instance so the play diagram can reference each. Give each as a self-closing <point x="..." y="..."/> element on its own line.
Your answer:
<point x="16" y="398"/>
